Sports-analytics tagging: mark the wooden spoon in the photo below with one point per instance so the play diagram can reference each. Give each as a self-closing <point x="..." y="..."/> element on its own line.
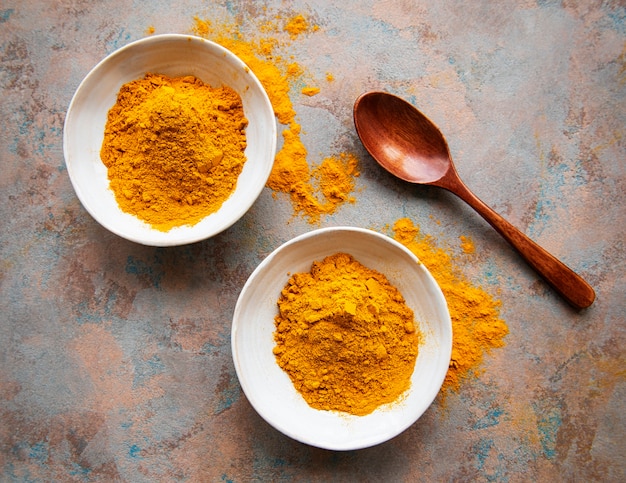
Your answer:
<point x="408" y="145"/>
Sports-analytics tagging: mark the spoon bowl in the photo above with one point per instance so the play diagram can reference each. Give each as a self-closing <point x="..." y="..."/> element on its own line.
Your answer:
<point x="403" y="141"/>
<point x="410" y="146"/>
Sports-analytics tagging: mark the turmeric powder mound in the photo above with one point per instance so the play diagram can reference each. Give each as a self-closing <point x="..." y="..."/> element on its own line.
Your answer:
<point x="476" y="324"/>
<point x="174" y="148"/>
<point x="291" y="173"/>
<point x="345" y="336"/>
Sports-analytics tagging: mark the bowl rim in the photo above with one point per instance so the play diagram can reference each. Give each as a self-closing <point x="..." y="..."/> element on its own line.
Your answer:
<point x="264" y="264"/>
<point x="252" y="192"/>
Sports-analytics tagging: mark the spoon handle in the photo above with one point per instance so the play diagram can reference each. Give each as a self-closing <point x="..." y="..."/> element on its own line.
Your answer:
<point x="571" y="286"/>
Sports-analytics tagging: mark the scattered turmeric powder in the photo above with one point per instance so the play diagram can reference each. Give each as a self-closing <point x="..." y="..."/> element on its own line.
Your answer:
<point x="174" y="148"/>
<point x="296" y="25"/>
<point x="335" y="178"/>
<point x="310" y="91"/>
<point x="291" y="173"/>
<point x="467" y="244"/>
<point x="476" y="324"/>
<point x="345" y="336"/>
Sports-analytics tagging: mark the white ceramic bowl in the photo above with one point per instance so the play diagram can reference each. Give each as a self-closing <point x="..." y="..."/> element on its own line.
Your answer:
<point x="268" y="387"/>
<point x="172" y="55"/>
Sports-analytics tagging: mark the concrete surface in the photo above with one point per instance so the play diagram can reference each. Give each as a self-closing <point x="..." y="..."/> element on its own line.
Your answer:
<point x="115" y="359"/>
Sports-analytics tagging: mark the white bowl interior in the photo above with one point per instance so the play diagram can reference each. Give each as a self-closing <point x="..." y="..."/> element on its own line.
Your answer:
<point x="268" y="387"/>
<point x="172" y="55"/>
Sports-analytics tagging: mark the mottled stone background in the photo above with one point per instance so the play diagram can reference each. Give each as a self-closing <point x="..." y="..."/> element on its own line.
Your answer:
<point x="115" y="359"/>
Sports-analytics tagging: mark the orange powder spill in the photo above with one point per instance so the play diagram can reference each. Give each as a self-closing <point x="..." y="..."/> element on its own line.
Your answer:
<point x="297" y="25"/>
<point x="467" y="244"/>
<point x="476" y="324"/>
<point x="310" y="91"/>
<point x="306" y="187"/>
<point x="335" y="176"/>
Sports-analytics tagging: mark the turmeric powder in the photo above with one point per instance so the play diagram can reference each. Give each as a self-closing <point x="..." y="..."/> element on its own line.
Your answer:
<point x="467" y="244"/>
<point x="174" y="148"/>
<point x="345" y="336"/>
<point x="335" y="178"/>
<point x="297" y="25"/>
<point x="291" y="173"/>
<point x="310" y="91"/>
<point x="476" y="324"/>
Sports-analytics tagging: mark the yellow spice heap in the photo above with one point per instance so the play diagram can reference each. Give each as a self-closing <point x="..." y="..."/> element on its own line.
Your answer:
<point x="345" y="336"/>
<point x="174" y="148"/>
